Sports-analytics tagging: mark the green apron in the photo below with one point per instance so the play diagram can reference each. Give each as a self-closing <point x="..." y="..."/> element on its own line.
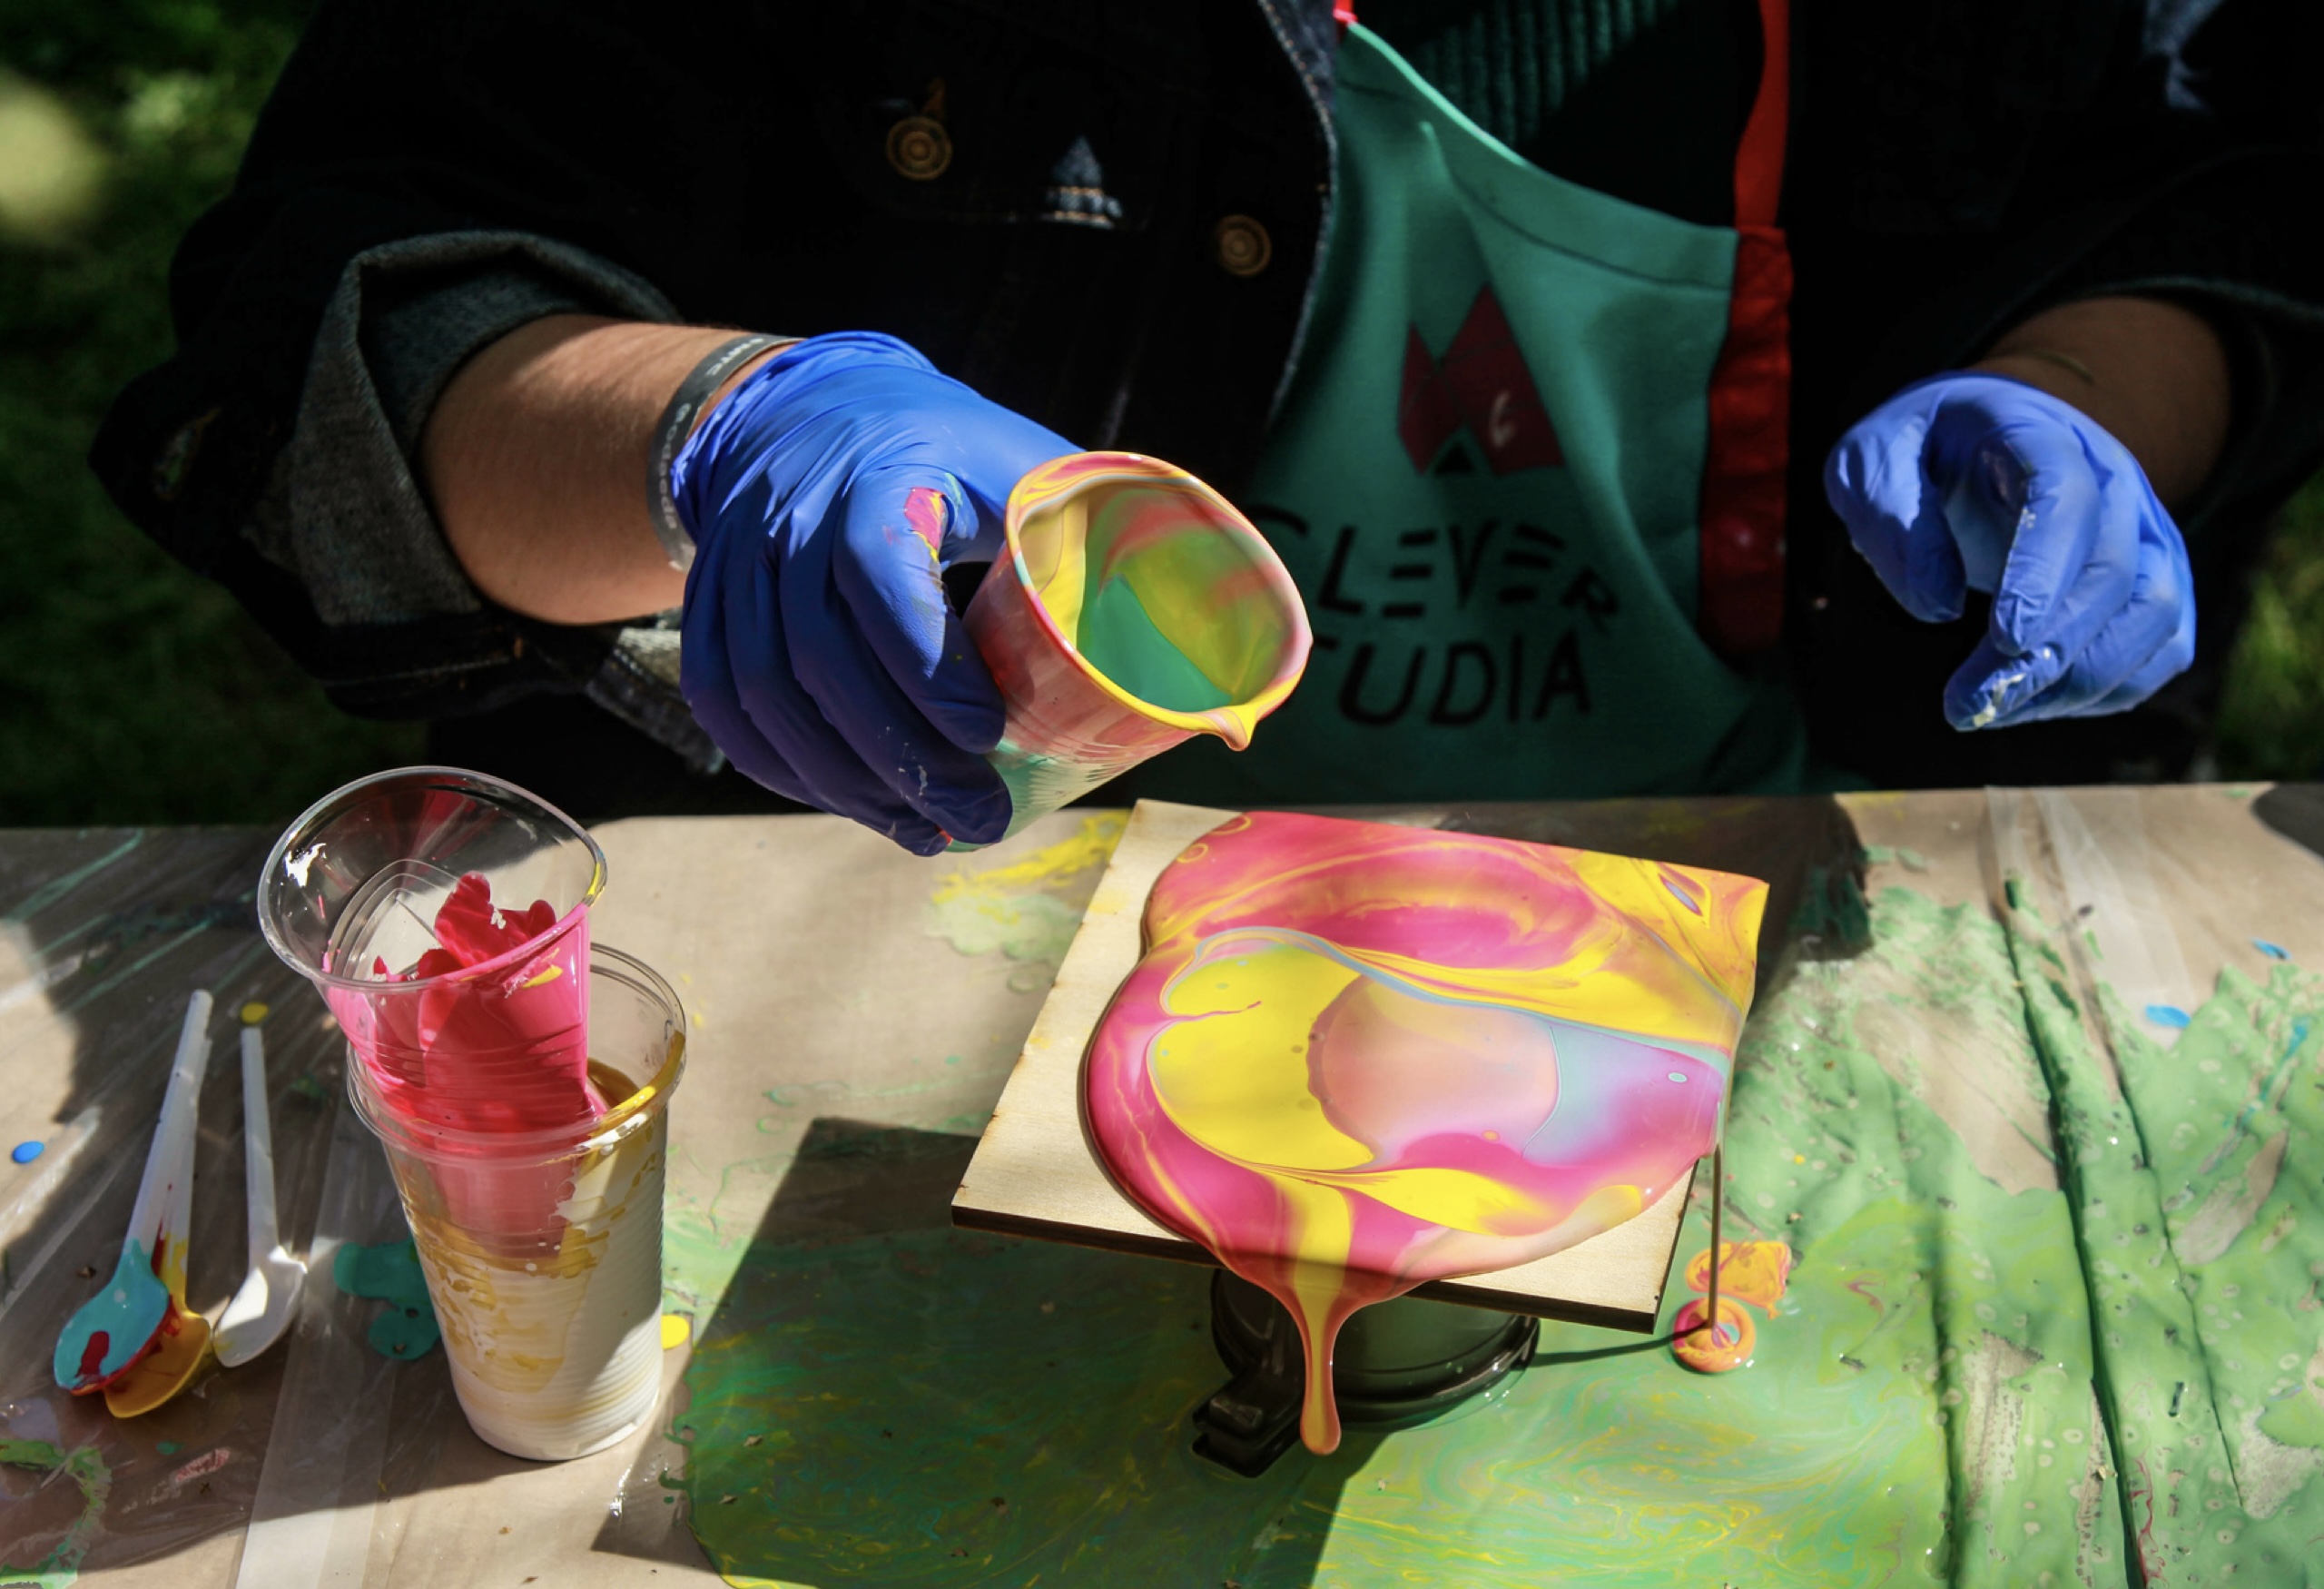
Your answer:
<point x="1494" y="481"/>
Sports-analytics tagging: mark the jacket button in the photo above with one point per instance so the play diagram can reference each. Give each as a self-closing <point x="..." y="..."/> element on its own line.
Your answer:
<point x="920" y="148"/>
<point x="1241" y="246"/>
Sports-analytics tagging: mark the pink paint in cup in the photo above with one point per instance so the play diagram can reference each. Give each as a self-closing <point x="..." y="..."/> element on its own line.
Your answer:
<point x="1134" y="609"/>
<point x="444" y="916"/>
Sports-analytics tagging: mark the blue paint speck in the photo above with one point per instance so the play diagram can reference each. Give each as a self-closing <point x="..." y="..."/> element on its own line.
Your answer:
<point x="1678" y="1075"/>
<point x="1682" y="896"/>
<point x="2168" y="1015"/>
<point x="2272" y="951"/>
<point x="26" y="1152"/>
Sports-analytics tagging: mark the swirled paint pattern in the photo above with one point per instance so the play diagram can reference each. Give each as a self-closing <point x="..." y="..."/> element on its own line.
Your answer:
<point x="1355" y="1058"/>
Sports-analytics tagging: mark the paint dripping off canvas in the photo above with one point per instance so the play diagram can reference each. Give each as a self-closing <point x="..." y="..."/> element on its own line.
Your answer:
<point x="1357" y="1058"/>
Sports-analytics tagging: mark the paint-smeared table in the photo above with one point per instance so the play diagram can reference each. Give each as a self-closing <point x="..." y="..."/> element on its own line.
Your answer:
<point x="2033" y="1090"/>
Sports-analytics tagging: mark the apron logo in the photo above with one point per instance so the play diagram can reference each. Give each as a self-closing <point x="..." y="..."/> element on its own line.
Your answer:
<point x="1482" y="385"/>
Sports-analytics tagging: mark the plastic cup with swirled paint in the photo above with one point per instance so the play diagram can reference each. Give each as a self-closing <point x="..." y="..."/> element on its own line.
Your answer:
<point x="554" y="1333"/>
<point x="1135" y="609"/>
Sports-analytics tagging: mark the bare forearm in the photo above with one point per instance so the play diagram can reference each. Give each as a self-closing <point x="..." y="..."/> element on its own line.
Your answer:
<point x="2151" y="373"/>
<point x="535" y="459"/>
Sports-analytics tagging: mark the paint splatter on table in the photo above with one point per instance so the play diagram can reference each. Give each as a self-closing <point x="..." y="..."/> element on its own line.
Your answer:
<point x="1964" y="1347"/>
<point x="1946" y="1392"/>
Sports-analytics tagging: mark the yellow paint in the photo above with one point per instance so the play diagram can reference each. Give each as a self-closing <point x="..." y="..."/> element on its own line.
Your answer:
<point x="253" y="1013"/>
<point x="1093" y="845"/>
<point x="1750" y="1271"/>
<point x="676" y="1330"/>
<point x="1646" y="963"/>
<point x="1237" y="1081"/>
<point x="550" y="975"/>
<point x="1436" y="1195"/>
<point x="162" y="1373"/>
<point x="1715" y="1350"/>
<point x="1062" y="592"/>
<point x="1322" y="1226"/>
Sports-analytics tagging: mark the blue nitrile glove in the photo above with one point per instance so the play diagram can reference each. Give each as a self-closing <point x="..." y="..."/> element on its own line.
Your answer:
<point x="1977" y="482"/>
<point x="825" y="496"/>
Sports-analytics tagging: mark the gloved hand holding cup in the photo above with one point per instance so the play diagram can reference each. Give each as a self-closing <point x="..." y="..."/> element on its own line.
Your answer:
<point x="826" y="496"/>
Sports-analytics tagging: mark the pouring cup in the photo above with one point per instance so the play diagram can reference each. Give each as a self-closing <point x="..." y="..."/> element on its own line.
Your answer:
<point x="1134" y="608"/>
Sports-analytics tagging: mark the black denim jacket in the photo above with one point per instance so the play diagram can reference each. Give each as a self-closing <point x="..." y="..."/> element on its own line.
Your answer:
<point x="1046" y="197"/>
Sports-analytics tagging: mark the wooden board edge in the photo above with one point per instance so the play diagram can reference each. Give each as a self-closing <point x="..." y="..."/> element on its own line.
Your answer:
<point x="1077" y="967"/>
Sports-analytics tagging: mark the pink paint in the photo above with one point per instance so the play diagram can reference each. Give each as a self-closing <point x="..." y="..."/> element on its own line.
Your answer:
<point x="484" y="1040"/>
<point x="1356" y="1057"/>
<point x="203" y="1466"/>
<point x="926" y="512"/>
<point x="487" y="1031"/>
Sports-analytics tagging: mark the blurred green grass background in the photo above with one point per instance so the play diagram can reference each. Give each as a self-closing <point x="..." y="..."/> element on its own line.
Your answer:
<point x="131" y="691"/>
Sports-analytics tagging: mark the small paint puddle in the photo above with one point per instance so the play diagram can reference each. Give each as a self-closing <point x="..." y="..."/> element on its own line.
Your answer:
<point x="1749" y="1271"/>
<point x="390" y="1274"/>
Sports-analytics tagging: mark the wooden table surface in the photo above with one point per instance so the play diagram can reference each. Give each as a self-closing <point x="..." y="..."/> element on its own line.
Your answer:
<point x="841" y="997"/>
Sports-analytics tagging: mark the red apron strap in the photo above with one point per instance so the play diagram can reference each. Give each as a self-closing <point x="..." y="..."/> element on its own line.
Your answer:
<point x="1758" y="158"/>
<point x="1739" y="597"/>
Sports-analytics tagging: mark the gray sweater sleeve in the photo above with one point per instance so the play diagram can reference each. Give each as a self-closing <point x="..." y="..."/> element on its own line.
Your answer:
<point x="343" y="511"/>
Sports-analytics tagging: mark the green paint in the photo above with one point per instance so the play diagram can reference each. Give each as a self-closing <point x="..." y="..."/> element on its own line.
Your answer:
<point x="167" y="1447"/>
<point x="1030" y="926"/>
<point x="390" y="1274"/>
<point x="1123" y="642"/>
<point x="87" y="1471"/>
<point x="1027" y="909"/>
<point x="1924" y="1408"/>
<point x="2191" y="1183"/>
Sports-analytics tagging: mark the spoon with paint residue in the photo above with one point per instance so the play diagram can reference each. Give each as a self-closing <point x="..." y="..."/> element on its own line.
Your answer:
<point x="116" y="1328"/>
<point x="262" y="1310"/>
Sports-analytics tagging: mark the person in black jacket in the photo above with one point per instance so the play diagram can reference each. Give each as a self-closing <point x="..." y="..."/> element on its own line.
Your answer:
<point x="429" y="342"/>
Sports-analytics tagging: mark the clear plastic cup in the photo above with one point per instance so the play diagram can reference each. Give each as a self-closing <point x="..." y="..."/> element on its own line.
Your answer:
<point x="554" y="1332"/>
<point x="1135" y="609"/>
<point x="444" y="915"/>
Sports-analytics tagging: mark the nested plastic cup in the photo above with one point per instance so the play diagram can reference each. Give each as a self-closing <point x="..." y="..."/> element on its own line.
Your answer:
<point x="485" y="1031"/>
<point x="554" y="1332"/>
<point x="1135" y="609"/>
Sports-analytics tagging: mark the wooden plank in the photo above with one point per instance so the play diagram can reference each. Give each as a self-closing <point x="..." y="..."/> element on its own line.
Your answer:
<point x="1035" y="1173"/>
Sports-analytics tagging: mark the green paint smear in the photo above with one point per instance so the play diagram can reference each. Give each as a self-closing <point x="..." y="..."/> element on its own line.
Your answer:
<point x="2195" y="1191"/>
<point x="1033" y="927"/>
<point x="84" y="1469"/>
<point x="1122" y="641"/>
<point x="390" y="1274"/>
<point x="1924" y="1408"/>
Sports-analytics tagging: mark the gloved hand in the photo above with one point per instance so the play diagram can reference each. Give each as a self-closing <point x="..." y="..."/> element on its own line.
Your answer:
<point x="1977" y="482"/>
<point x="825" y="496"/>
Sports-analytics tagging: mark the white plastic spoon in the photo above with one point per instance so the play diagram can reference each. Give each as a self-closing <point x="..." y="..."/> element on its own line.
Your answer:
<point x="262" y="1310"/>
<point x="113" y="1329"/>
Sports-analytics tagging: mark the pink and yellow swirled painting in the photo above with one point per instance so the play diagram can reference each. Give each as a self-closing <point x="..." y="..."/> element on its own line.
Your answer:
<point x="1356" y="1057"/>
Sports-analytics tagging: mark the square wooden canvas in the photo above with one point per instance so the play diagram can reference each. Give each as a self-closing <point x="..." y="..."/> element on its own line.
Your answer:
<point x="1036" y="1174"/>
